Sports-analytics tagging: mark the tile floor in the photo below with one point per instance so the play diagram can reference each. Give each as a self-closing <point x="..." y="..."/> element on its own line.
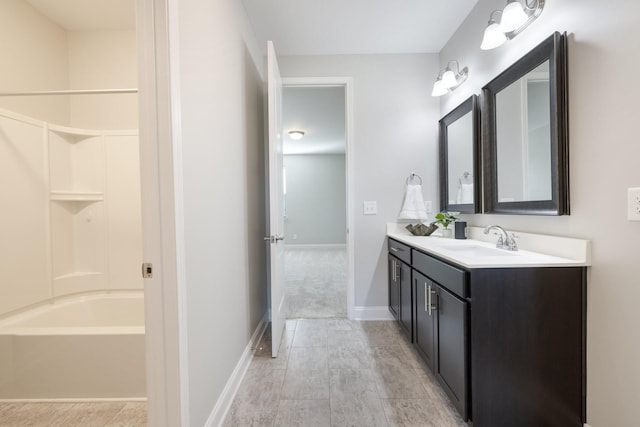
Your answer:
<point x="102" y="414"/>
<point x="315" y="282"/>
<point x="337" y="372"/>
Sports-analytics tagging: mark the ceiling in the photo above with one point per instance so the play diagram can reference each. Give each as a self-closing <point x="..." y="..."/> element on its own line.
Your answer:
<point x="320" y="113"/>
<point x="333" y="27"/>
<point x="88" y="15"/>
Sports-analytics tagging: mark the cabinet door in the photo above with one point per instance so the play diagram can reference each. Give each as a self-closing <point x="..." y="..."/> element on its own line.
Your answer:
<point x="425" y="318"/>
<point x="406" y="317"/>
<point x="394" y="288"/>
<point x="451" y="345"/>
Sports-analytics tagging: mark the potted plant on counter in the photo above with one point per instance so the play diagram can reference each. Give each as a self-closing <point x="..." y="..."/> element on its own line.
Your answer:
<point x="444" y="219"/>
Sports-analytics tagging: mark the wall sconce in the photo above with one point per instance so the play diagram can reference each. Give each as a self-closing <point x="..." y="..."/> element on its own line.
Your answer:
<point x="296" y="134"/>
<point x="514" y="19"/>
<point x="448" y="79"/>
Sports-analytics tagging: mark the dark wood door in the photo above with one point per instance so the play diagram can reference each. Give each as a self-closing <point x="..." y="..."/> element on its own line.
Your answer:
<point x="394" y="287"/>
<point x="424" y="319"/>
<point x="451" y="335"/>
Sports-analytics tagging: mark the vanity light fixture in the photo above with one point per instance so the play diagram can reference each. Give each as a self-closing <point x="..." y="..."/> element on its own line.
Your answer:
<point x="296" y="134"/>
<point x="448" y="79"/>
<point x="515" y="17"/>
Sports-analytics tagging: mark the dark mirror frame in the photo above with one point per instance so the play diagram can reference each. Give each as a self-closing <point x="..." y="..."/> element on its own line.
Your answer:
<point x="554" y="50"/>
<point x="468" y="106"/>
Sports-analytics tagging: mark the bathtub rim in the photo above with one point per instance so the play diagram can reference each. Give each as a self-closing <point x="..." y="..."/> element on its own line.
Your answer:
<point x="26" y="313"/>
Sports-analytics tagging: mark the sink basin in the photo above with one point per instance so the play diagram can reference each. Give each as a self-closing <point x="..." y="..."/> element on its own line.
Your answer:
<point x="477" y="251"/>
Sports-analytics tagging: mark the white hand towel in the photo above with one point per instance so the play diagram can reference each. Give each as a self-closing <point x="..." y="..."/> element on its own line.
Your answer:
<point x="465" y="193"/>
<point x="413" y="205"/>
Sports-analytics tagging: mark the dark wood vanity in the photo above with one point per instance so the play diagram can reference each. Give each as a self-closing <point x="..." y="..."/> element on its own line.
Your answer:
<point x="507" y="345"/>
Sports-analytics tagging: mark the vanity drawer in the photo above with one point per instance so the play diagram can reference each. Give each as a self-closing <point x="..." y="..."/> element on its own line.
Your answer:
<point x="400" y="251"/>
<point x="446" y="275"/>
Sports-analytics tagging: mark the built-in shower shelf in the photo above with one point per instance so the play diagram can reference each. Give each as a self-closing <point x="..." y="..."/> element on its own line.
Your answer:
<point x="73" y="135"/>
<point x="76" y="196"/>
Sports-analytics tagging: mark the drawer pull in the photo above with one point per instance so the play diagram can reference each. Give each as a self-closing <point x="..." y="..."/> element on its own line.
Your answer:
<point x="396" y="250"/>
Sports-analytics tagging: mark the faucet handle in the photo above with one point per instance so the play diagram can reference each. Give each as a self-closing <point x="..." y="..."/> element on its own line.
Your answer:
<point x="511" y="242"/>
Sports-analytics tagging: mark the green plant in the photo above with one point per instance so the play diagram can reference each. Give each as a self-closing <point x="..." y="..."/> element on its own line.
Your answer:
<point x="445" y="218"/>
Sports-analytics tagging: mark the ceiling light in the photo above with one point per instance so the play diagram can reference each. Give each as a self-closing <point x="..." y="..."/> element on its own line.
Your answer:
<point x="448" y="79"/>
<point x="515" y="18"/>
<point x="296" y="134"/>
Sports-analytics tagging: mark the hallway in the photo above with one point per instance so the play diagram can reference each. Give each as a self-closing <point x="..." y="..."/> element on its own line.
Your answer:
<point x="338" y="372"/>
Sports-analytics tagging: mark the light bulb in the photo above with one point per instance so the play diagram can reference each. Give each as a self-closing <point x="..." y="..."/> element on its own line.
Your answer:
<point x="438" y="88"/>
<point x="513" y="16"/>
<point x="449" y="79"/>
<point x="493" y="37"/>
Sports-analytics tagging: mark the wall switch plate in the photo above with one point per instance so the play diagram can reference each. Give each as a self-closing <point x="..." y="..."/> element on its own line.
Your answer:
<point x="633" y="204"/>
<point x="428" y="206"/>
<point x="369" y="208"/>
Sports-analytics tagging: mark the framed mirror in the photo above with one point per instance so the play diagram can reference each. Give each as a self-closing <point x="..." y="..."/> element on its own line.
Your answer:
<point x="525" y="134"/>
<point x="459" y="153"/>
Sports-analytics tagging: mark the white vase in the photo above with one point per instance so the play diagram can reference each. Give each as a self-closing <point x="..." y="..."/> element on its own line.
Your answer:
<point x="446" y="232"/>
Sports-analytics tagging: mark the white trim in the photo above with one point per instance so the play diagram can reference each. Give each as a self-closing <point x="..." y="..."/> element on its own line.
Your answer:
<point x="178" y="204"/>
<point x="219" y="412"/>
<point x="372" y="313"/>
<point x="166" y="376"/>
<point x="316" y="246"/>
<point x="347" y="83"/>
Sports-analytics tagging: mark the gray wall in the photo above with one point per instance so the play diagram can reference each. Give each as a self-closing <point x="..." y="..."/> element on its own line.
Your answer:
<point x="395" y="132"/>
<point x="604" y="153"/>
<point x="221" y="135"/>
<point x="316" y="199"/>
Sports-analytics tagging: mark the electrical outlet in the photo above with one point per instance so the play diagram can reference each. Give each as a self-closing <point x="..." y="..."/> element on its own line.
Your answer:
<point x="428" y="206"/>
<point x="633" y="204"/>
<point x="369" y="208"/>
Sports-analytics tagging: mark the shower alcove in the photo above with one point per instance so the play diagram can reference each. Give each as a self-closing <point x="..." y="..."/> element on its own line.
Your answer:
<point x="71" y="304"/>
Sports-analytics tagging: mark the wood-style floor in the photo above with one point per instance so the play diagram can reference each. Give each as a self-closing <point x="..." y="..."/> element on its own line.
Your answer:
<point x="338" y="372"/>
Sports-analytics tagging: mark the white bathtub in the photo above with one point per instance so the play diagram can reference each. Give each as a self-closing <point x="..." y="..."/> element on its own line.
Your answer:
<point x="84" y="347"/>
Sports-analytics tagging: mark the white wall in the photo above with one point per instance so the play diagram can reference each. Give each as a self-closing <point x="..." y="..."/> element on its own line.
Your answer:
<point x="604" y="40"/>
<point x="103" y="60"/>
<point x="316" y="202"/>
<point x="222" y="172"/>
<point x="34" y="57"/>
<point x="395" y="133"/>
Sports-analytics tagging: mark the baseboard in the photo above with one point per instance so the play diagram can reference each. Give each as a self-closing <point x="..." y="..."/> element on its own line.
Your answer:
<point x="231" y="388"/>
<point x="372" y="313"/>
<point x="318" y="246"/>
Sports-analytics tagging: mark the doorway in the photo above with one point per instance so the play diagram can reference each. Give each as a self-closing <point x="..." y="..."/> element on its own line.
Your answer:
<point x="318" y="266"/>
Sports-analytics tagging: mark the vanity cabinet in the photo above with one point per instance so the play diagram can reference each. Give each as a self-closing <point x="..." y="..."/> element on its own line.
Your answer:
<point x="441" y="324"/>
<point x="507" y="344"/>
<point x="400" y="295"/>
<point x="528" y="330"/>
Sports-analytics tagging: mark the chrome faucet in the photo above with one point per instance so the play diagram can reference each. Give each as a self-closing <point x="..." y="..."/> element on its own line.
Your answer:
<point x="504" y="240"/>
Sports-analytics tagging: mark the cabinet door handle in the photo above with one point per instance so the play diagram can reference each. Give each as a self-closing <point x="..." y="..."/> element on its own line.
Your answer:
<point x="431" y="305"/>
<point x="394" y="271"/>
<point x="427" y="298"/>
<point x="394" y="249"/>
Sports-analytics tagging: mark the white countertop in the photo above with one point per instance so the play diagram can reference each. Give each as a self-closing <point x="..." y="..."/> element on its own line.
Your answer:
<point x="535" y="250"/>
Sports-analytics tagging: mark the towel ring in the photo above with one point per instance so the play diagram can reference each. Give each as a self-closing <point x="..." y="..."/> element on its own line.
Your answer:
<point x="414" y="176"/>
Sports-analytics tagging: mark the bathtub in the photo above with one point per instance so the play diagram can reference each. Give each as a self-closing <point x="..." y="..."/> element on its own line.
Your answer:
<point x="89" y="347"/>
